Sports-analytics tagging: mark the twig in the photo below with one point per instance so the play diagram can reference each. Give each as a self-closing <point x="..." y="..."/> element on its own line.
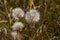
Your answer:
<point x="3" y="21"/>
<point x="37" y="7"/>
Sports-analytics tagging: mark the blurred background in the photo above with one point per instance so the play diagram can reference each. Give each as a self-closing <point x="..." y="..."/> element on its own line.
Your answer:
<point x="48" y="28"/>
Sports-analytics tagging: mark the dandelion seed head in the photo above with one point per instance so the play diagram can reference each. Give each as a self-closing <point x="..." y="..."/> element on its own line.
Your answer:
<point x="32" y="16"/>
<point x="17" y="13"/>
<point x="14" y="34"/>
<point x="18" y="26"/>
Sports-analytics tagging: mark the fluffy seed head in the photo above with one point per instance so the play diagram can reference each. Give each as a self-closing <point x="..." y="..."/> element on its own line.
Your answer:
<point x="14" y="34"/>
<point x="17" y="13"/>
<point x="32" y="16"/>
<point x="18" y="26"/>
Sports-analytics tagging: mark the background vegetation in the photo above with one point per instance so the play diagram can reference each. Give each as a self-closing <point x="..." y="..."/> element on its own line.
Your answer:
<point x="48" y="28"/>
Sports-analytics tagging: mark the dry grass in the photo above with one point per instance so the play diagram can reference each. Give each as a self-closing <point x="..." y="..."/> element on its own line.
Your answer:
<point x="48" y="28"/>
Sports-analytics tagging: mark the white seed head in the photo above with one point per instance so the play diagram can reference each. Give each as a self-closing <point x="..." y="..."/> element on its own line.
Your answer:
<point x="18" y="26"/>
<point x="32" y="16"/>
<point x="17" y="13"/>
<point x="14" y="34"/>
